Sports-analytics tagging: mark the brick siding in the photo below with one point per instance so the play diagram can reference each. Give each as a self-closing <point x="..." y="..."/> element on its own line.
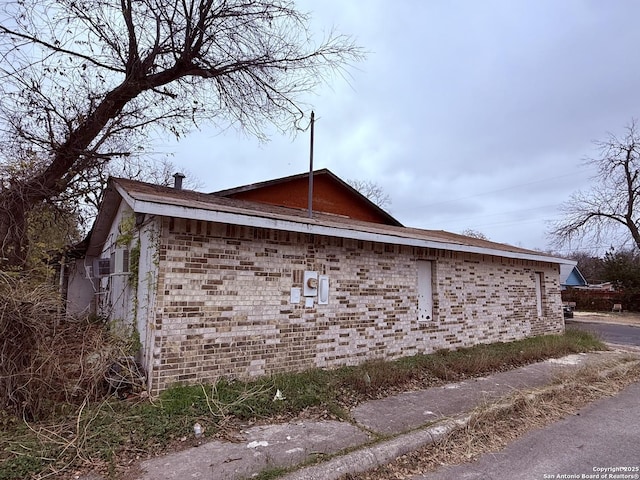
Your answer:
<point x="223" y="302"/>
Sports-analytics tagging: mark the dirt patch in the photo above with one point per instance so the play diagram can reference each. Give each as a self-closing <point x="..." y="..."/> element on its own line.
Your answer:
<point x="620" y="318"/>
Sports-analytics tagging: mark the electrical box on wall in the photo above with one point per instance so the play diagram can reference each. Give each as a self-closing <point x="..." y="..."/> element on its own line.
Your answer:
<point x="315" y="289"/>
<point x="295" y="295"/>
<point x="323" y="290"/>
<point x="310" y="284"/>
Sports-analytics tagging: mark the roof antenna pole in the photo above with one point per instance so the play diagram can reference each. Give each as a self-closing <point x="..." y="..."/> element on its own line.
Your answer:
<point x="310" y="201"/>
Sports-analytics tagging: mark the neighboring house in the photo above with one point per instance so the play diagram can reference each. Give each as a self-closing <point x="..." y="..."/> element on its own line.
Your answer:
<point x="243" y="283"/>
<point x="599" y="287"/>
<point x="570" y="276"/>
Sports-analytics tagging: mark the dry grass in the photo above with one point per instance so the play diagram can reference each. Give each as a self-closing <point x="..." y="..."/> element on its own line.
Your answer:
<point x="377" y="379"/>
<point x="47" y="360"/>
<point x="492" y="427"/>
<point x="54" y="378"/>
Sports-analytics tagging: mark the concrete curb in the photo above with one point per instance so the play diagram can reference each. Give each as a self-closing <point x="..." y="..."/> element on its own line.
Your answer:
<point x="369" y="457"/>
<point x="347" y="448"/>
<point x="379" y="454"/>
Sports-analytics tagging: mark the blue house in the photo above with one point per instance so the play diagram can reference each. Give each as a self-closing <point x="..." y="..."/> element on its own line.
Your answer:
<point x="570" y="276"/>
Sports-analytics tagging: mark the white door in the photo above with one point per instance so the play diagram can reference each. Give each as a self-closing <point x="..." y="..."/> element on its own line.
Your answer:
<point x="425" y="291"/>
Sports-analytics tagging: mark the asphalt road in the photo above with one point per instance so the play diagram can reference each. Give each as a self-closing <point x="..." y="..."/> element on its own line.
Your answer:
<point x="610" y="332"/>
<point x="602" y="436"/>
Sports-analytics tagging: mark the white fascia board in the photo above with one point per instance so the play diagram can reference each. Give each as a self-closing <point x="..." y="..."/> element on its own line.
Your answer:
<point x="567" y="261"/>
<point x="126" y="197"/>
<point x="179" y="211"/>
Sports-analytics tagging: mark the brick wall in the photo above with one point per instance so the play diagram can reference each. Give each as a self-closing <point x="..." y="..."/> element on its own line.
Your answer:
<point x="223" y="302"/>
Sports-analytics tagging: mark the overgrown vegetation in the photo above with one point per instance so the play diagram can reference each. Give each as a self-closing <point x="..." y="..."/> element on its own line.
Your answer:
<point x="105" y="435"/>
<point x="52" y="364"/>
<point x="49" y="363"/>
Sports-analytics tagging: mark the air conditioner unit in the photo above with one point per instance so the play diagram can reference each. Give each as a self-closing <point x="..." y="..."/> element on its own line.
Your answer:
<point x="119" y="263"/>
<point x="101" y="267"/>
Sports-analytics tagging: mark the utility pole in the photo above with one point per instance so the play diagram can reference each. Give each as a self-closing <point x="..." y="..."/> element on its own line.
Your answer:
<point x="310" y="200"/>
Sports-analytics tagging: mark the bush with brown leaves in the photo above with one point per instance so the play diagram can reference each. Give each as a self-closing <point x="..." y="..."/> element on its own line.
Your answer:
<point x="46" y="359"/>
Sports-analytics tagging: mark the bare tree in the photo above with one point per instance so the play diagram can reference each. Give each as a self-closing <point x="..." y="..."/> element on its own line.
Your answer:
<point x="609" y="210"/>
<point x="469" y="232"/>
<point x="372" y="191"/>
<point x="88" y="188"/>
<point x="86" y="81"/>
<point x="590" y="266"/>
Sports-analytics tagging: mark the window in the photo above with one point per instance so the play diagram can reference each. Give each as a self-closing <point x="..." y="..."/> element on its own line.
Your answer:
<point x="119" y="261"/>
<point x="539" y="277"/>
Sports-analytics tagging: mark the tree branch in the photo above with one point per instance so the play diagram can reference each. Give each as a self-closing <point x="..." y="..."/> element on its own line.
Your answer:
<point x="57" y="49"/>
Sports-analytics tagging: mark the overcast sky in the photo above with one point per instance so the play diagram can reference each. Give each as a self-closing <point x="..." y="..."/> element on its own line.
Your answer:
<point x="469" y="114"/>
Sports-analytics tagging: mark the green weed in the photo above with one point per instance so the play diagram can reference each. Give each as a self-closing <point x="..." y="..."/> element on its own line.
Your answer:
<point x="103" y="433"/>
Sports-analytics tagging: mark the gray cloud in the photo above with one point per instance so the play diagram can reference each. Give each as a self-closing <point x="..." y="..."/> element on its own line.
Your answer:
<point x="469" y="114"/>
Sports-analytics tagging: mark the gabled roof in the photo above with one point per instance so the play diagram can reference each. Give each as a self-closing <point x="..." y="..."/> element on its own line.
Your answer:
<point x="571" y="276"/>
<point x="330" y="195"/>
<point x="165" y="201"/>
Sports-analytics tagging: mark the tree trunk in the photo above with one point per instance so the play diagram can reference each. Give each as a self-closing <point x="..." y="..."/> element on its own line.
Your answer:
<point x="20" y="198"/>
<point x="13" y="231"/>
<point x="635" y="233"/>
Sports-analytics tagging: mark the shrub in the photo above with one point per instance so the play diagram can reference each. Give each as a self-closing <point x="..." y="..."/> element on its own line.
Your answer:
<point x="47" y="359"/>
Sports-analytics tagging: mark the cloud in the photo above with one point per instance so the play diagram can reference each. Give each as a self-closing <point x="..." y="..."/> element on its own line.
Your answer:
<point x="469" y="114"/>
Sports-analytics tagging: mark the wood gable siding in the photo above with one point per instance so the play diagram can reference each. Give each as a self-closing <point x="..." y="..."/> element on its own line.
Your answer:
<point x="330" y="195"/>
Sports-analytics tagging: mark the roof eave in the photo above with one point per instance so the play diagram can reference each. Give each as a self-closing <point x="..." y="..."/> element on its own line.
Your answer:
<point x="102" y="224"/>
<point x="312" y="227"/>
